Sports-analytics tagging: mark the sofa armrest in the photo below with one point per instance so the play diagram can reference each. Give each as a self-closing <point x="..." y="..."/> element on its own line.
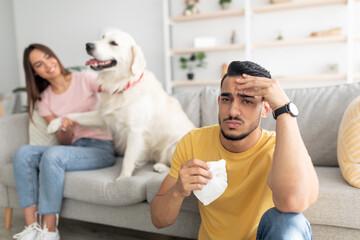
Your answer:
<point x="13" y="134"/>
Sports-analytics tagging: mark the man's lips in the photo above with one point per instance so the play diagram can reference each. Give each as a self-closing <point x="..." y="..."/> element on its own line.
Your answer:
<point x="232" y="124"/>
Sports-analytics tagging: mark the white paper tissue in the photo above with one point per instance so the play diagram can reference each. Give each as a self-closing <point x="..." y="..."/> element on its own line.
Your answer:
<point x="216" y="185"/>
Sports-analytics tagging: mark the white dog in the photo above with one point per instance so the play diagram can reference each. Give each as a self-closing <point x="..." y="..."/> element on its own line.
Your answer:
<point x="146" y="123"/>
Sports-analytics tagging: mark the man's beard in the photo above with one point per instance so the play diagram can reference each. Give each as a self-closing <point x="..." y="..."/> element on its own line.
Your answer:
<point x="252" y="127"/>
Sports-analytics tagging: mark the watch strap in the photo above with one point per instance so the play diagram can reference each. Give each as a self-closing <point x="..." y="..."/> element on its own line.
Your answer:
<point x="281" y="110"/>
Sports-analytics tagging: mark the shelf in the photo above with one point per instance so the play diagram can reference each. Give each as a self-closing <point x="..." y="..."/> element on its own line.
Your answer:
<point x="304" y="41"/>
<point x="183" y="83"/>
<point x="211" y="15"/>
<point x="257" y="9"/>
<point x="295" y="5"/>
<point x="277" y="43"/>
<point x="315" y="77"/>
<point x="235" y="47"/>
<point x="248" y="46"/>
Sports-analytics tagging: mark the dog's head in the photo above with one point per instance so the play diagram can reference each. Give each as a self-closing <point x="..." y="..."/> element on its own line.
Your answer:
<point x="116" y="52"/>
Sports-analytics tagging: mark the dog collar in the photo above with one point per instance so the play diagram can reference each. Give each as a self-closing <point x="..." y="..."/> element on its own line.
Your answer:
<point x="128" y="85"/>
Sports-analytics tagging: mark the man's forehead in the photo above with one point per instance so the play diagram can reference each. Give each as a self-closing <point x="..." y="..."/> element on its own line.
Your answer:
<point x="229" y="88"/>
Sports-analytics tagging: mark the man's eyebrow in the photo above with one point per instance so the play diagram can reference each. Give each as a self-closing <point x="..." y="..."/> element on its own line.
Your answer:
<point x="226" y="94"/>
<point x="244" y="96"/>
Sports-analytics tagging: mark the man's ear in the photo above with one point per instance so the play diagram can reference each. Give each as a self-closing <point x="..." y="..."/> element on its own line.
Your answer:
<point x="266" y="109"/>
<point x="138" y="61"/>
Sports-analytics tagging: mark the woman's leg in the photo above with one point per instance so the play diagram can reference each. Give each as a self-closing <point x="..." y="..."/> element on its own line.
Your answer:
<point x="31" y="215"/>
<point x="84" y="154"/>
<point x="26" y="169"/>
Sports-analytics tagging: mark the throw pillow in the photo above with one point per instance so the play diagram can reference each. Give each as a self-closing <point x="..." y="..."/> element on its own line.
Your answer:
<point x="348" y="148"/>
<point x="38" y="134"/>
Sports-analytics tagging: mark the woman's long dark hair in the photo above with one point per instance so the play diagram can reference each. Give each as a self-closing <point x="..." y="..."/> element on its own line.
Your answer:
<point x="34" y="83"/>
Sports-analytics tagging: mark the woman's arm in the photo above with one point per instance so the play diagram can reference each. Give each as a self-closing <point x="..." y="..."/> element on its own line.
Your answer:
<point x="65" y="133"/>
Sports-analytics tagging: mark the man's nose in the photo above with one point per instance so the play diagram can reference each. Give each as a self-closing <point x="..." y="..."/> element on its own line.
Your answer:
<point x="234" y="110"/>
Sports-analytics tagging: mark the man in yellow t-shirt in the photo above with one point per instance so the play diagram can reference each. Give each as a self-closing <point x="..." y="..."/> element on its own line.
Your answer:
<point x="260" y="174"/>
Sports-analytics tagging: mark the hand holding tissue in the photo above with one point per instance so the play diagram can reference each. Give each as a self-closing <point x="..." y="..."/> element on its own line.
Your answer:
<point x="216" y="185"/>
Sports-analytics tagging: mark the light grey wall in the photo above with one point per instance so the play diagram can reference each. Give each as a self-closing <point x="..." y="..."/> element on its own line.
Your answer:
<point x="66" y="25"/>
<point x="9" y="77"/>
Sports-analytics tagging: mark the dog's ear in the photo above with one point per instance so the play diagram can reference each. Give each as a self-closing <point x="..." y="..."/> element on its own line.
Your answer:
<point x="138" y="60"/>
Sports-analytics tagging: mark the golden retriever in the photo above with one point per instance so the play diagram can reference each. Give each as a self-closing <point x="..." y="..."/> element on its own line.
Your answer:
<point x="145" y="121"/>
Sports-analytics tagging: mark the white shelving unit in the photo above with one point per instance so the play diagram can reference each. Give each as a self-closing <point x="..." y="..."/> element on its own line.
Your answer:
<point x="248" y="46"/>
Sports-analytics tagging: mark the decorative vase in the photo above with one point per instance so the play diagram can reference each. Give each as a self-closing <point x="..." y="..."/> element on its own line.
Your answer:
<point x="190" y="76"/>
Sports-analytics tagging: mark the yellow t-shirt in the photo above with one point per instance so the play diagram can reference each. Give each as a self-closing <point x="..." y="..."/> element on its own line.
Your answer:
<point x="236" y="213"/>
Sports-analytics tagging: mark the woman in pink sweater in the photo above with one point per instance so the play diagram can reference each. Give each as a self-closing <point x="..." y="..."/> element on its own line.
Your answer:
<point x="40" y="170"/>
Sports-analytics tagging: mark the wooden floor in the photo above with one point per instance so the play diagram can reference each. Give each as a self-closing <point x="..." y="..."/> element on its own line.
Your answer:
<point x="78" y="230"/>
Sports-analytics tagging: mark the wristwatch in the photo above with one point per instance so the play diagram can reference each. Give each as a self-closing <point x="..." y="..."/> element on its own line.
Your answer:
<point x="287" y="108"/>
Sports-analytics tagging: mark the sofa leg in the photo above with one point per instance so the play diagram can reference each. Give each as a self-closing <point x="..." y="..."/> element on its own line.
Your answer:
<point x="8" y="216"/>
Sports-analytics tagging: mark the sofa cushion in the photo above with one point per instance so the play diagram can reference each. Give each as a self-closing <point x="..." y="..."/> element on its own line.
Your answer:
<point x="190" y="103"/>
<point x="349" y="142"/>
<point x="38" y="134"/>
<point x="209" y="106"/>
<point x="338" y="202"/>
<point x="99" y="186"/>
<point x="321" y="110"/>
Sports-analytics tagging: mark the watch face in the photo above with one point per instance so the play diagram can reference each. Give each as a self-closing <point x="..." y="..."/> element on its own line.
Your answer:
<point x="293" y="109"/>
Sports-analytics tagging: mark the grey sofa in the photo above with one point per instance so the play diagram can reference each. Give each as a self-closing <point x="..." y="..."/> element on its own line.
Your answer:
<point x="94" y="196"/>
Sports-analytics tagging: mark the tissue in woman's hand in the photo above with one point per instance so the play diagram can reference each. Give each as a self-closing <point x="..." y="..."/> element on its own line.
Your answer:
<point x="216" y="185"/>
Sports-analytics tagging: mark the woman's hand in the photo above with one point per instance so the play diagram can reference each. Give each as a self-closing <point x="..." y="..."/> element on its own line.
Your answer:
<point x="67" y="124"/>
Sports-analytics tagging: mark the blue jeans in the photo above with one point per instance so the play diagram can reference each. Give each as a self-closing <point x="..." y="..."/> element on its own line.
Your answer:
<point x="275" y="225"/>
<point x="40" y="170"/>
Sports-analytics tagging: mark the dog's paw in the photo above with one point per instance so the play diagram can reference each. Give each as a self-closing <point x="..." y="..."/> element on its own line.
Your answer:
<point x="54" y="125"/>
<point x="123" y="175"/>
<point x="160" y="167"/>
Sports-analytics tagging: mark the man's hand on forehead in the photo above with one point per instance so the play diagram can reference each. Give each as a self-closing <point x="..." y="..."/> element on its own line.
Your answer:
<point x="240" y="81"/>
<point x="267" y="88"/>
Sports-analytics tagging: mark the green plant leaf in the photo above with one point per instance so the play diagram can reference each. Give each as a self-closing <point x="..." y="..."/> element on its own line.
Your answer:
<point x="224" y="1"/>
<point x="184" y="66"/>
<point x="19" y="89"/>
<point x="183" y="60"/>
<point x="76" y="68"/>
<point x="201" y="56"/>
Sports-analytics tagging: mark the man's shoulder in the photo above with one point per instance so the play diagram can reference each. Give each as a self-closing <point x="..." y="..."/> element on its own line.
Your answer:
<point x="207" y="130"/>
<point x="268" y="138"/>
<point x="269" y="134"/>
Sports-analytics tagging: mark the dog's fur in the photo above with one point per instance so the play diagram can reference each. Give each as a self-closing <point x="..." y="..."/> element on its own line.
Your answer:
<point x="146" y="123"/>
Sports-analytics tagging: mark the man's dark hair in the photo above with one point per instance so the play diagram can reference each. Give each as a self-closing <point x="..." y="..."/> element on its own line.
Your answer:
<point x="238" y="68"/>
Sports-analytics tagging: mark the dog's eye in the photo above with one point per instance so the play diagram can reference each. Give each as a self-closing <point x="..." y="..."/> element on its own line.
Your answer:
<point x="113" y="43"/>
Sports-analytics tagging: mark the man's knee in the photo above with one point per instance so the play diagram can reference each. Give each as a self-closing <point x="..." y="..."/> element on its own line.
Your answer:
<point x="277" y="225"/>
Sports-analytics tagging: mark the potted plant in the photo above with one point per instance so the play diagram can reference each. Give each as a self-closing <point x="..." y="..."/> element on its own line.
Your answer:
<point x="195" y="60"/>
<point x="225" y="3"/>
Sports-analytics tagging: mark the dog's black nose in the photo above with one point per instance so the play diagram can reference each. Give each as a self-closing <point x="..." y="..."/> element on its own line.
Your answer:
<point x="90" y="47"/>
